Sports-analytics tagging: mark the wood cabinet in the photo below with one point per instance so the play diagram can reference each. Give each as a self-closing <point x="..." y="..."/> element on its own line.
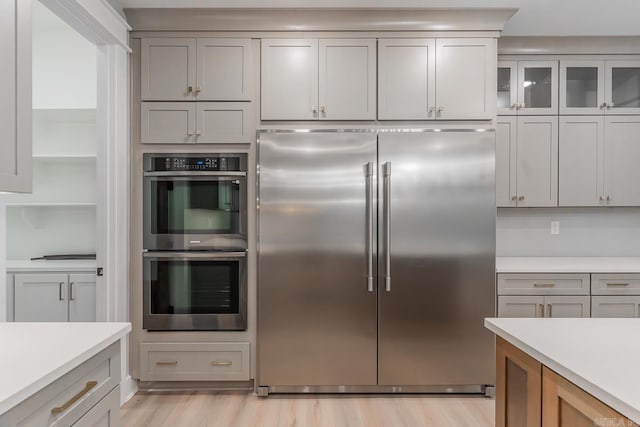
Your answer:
<point x="54" y="297"/>
<point x="189" y="69"/>
<point x="430" y="79"/>
<point x="527" y="87"/>
<point x="327" y="79"/>
<point x="574" y="306"/>
<point x="566" y="405"/>
<point x="518" y="387"/>
<point x="598" y="158"/>
<point x="15" y="96"/>
<point x="527" y="161"/>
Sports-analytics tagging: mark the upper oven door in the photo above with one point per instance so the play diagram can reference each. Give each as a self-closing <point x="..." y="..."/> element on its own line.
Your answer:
<point x="192" y="211"/>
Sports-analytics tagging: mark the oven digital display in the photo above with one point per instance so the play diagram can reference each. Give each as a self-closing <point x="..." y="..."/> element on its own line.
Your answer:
<point x="184" y="163"/>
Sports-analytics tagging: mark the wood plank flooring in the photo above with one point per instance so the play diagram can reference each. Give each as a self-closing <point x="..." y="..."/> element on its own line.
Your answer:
<point x="240" y="409"/>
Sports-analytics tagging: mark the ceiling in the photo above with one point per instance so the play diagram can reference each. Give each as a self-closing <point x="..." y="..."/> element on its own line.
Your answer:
<point x="535" y="17"/>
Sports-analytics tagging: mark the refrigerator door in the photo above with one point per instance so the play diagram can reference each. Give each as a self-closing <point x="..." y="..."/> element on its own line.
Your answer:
<point x="437" y="207"/>
<point x="316" y="304"/>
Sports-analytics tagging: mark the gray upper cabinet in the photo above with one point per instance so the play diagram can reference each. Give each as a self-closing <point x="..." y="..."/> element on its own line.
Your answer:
<point x="621" y="160"/>
<point x="622" y="87"/>
<point x="189" y="69"/>
<point x="40" y="297"/>
<point x="430" y="79"/>
<point x="308" y="79"/>
<point x="527" y="87"/>
<point x="223" y="122"/>
<point x="506" y="150"/>
<point x="168" y="123"/>
<point x="168" y="69"/>
<point x="582" y="87"/>
<point x="15" y="96"/>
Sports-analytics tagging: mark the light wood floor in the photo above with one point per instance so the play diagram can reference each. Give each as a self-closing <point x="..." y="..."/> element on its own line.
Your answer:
<point x="239" y="409"/>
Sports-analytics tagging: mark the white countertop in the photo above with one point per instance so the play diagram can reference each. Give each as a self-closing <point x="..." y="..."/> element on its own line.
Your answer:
<point x="568" y="265"/>
<point x="77" y="265"/>
<point x="34" y="355"/>
<point x="598" y="355"/>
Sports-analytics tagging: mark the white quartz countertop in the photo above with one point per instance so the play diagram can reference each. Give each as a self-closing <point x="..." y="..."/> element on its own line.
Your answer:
<point x="598" y="355"/>
<point x="33" y="355"/>
<point x="568" y="264"/>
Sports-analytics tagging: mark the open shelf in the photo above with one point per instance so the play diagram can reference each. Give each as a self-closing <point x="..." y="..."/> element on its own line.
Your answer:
<point x="21" y="265"/>
<point x="50" y="204"/>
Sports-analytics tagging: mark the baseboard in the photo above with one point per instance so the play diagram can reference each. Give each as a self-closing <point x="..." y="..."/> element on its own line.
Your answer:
<point x="128" y="388"/>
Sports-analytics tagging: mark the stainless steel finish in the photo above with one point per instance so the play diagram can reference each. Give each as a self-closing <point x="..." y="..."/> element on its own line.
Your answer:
<point x="369" y="178"/>
<point x="194" y="255"/>
<point x="152" y="386"/>
<point x="221" y="363"/>
<point x="318" y="329"/>
<point x="71" y="297"/>
<point x="166" y="362"/>
<point x="183" y="174"/>
<point x="541" y="309"/>
<point x="316" y="319"/>
<point x="617" y="284"/>
<point x="386" y="203"/>
<point x="490" y="392"/>
<point x="60" y="285"/>
<point x="544" y="285"/>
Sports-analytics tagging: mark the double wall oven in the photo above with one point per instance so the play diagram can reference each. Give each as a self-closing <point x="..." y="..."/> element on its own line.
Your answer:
<point x="195" y="240"/>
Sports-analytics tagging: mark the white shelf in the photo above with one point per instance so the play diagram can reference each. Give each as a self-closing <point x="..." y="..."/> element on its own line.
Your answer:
<point x="50" y="204"/>
<point x="16" y="266"/>
<point x="64" y="157"/>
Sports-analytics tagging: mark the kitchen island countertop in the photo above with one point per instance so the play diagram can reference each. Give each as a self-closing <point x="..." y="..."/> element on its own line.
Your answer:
<point x="568" y="264"/>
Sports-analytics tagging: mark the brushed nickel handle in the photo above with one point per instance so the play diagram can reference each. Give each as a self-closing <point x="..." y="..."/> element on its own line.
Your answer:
<point x="87" y="388"/>
<point x="521" y="198"/>
<point x="603" y="105"/>
<point x="369" y="202"/>
<point x="610" y="105"/>
<point x="608" y="199"/>
<point x="322" y="109"/>
<point x="198" y="89"/>
<point x="71" y="297"/>
<point x="618" y="284"/>
<point x="198" y="132"/>
<point x="602" y="199"/>
<point x="432" y="110"/>
<point x="60" y="296"/>
<point x="167" y="362"/>
<point x="513" y="107"/>
<point x="189" y="89"/>
<point x="544" y="285"/>
<point x="189" y="132"/>
<point x="221" y="363"/>
<point x="514" y="198"/>
<point x="386" y="170"/>
<point x="314" y="109"/>
<point x="440" y="109"/>
<point x="541" y="310"/>
<point x="550" y="307"/>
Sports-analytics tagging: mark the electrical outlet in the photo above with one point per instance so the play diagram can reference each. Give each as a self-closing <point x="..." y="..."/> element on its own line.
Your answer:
<point x="555" y="227"/>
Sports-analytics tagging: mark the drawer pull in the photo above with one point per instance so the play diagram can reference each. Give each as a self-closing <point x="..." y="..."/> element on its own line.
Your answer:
<point x="221" y="363"/>
<point x="544" y="285"/>
<point x="167" y="362"/>
<point x="617" y="284"/>
<point x="87" y="388"/>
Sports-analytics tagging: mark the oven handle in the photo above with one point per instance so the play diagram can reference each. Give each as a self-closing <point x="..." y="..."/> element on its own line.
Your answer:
<point x="196" y="173"/>
<point x="196" y="255"/>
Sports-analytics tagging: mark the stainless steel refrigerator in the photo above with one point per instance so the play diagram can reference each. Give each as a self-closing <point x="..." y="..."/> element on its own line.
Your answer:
<point x="376" y="260"/>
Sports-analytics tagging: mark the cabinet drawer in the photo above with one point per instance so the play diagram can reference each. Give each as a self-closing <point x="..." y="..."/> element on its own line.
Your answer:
<point x="72" y="395"/>
<point x="615" y="284"/>
<point x="543" y="284"/>
<point x="106" y="413"/>
<point x="194" y="361"/>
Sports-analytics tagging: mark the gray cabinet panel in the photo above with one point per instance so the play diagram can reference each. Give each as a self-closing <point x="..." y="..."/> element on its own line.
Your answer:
<point x="224" y="67"/>
<point x="567" y="306"/>
<point x="223" y="122"/>
<point x="621" y="160"/>
<point x="615" y="306"/>
<point x="520" y="306"/>
<point x="82" y="297"/>
<point x="41" y="297"/>
<point x="9" y="301"/>
<point x="168" y="122"/>
<point x="168" y="69"/>
<point x="15" y="96"/>
<point x="506" y="150"/>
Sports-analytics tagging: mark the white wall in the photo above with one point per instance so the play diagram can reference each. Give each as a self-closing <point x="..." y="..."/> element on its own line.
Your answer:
<point x="64" y="64"/>
<point x="583" y="232"/>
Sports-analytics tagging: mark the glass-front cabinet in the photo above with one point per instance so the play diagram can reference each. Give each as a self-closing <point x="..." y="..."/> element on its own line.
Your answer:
<point x="622" y="90"/>
<point x="527" y="87"/>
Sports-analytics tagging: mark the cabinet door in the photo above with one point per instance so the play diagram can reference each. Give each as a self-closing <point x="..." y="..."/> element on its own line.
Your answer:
<point x="537" y="161"/>
<point x="507" y="88"/>
<point x="582" y="87"/>
<point x="168" y="67"/>
<point x="406" y="79"/>
<point x="581" y="161"/>
<point x="9" y="302"/>
<point x="621" y="160"/>
<point x="622" y="87"/>
<point x="347" y="79"/>
<point x="566" y="405"/>
<point x="105" y="413"/>
<point x="289" y="79"/>
<point x="518" y="387"/>
<point x="567" y="306"/>
<point x="224" y="122"/>
<point x="506" y="134"/>
<point x="538" y="87"/>
<point x="15" y="96"/>
<point x="224" y="67"/>
<point x="615" y="306"/>
<point x="40" y="297"/>
<point x="168" y="122"/>
<point x="465" y="78"/>
<point x="520" y="306"/>
<point x="82" y="297"/>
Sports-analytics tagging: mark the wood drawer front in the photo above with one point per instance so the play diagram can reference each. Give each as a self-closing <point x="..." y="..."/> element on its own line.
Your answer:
<point x="75" y="386"/>
<point x="194" y="361"/>
<point x="615" y="284"/>
<point x="543" y="284"/>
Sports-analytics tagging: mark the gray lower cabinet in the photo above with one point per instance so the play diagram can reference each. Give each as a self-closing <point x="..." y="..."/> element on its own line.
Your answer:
<point x="615" y="295"/>
<point x="54" y="297"/>
<point x="544" y="306"/>
<point x="88" y="395"/>
<point x="9" y="300"/>
<point x="615" y="306"/>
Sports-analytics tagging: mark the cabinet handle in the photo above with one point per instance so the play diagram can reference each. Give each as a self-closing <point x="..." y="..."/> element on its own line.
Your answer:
<point x="432" y="110"/>
<point x="514" y="106"/>
<point x="522" y="105"/>
<point x="314" y="110"/>
<point x="602" y="199"/>
<point x="322" y="109"/>
<point x="544" y="285"/>
<point x="198" y="89"/>
<point x="189" y="133"/>
<point x="541" y="309"/>
<point x="608" y="199"/>
<point x="514" y="198"/>
<point x="71" y="297"/>
<point x="521" y="198"/>
<point x="617" y="284"/>
<point x="603" y="105"/>
<point x="198" y="132"/>
<point x="87" y="388"/>
<point x="189" y="89"/>
<point x="549" y="314"/>
<point x="440" y="109"/>
<point x="221" y="363"/>
<point x="610" y="105"/>
<point x="60" y="285"/>
<point x="167" y="362"/>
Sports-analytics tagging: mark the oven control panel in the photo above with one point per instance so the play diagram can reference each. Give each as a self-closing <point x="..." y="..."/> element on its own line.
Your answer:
<point x="192" y="163"/>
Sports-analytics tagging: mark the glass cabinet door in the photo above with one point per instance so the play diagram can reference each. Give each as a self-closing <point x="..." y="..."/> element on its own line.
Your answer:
<point x="538" y="87"/>
<point x="582" y="87"/>
<point x="622" y="87"/>
<point x="507" y="88"/>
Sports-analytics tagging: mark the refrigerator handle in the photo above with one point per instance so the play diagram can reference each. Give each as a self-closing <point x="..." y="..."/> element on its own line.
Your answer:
<point x="369" y="203"/>
<point x="386" y="171"/>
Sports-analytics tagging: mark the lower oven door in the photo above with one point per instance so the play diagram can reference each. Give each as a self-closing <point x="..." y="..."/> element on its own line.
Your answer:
<point x="195" y="291"/>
